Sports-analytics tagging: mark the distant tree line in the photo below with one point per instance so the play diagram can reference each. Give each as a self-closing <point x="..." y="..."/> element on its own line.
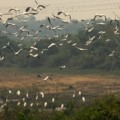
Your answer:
<point x="96" y="57"/>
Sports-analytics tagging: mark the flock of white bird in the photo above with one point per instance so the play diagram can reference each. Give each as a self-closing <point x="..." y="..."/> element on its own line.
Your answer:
<point x="24" y="31"/>
<point x="17" y="98"/>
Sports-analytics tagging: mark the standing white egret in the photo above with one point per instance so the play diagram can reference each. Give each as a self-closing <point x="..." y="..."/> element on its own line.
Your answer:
<point x="18" y="92"/>
<point x="25" y="104"/>
<point x="79" y="93"/>
<point x="18" y="103"/>
<point x="31" y="104"/>
<point x="73" y="95"/>
<point x="10" y="91"/>
<point x="62" y="106"/>
<point x="45" y="104"/>
<point x="53" y="100"/>
<point x="23" y="99"/>
<point x="36" y="97"/>
<point x="42" y="94"/>
<point x="27" y="94"/>
<point x="83" y="99"/>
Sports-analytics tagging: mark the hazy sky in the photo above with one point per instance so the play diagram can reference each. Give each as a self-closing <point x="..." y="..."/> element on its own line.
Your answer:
<point x="79" y="9"/>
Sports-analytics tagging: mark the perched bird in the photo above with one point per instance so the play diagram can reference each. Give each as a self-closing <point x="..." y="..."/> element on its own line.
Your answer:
<point x="24" y="104"/>
<point x="83" y="99"/>
<point x="27" y="94"/>
<point x="42" y="94"/>
<point x="18" y="92"/>
<point x="23" y="99"/>
<point x="79" y="93"/>
<point x="62" y="106"/>
<point x="53" y="100"/>
<point x="31" y="104"/>
<point x="36" y="97"/>
<point x="73" y="95"/>
<point x="10" y="91"/>
<point x="18" y="103"/>
<point x="45" y="104"/>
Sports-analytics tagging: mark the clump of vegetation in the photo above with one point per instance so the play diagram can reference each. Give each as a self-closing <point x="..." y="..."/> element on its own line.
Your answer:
<point x="107" y="108"/>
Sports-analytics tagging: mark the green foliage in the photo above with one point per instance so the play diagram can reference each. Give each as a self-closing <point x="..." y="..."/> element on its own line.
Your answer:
<point x="106" y="108"/>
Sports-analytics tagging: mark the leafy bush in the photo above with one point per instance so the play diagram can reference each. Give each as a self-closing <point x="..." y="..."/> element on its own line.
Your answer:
<point x="107" y="108"/>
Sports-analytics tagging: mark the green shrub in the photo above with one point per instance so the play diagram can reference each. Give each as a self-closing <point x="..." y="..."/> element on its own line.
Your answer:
<point x="106" y="108"/>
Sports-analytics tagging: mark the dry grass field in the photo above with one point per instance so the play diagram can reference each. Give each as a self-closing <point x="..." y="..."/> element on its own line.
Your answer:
<point x="62" y="86"/>
<point x="92" y="83"/>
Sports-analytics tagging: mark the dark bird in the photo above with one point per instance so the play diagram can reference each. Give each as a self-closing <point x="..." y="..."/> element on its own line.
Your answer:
<point x="56" y="16"/>
<point x="13" y="9"/>
<point x="50" y="21"/>
<point x="41" y="7"/>
<point x="65" y="14"/>
<point x="100" y="16"/>
<point x="36" y="2"/>
<point x="28" y="8"/>
<point x="36" y="8"/>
